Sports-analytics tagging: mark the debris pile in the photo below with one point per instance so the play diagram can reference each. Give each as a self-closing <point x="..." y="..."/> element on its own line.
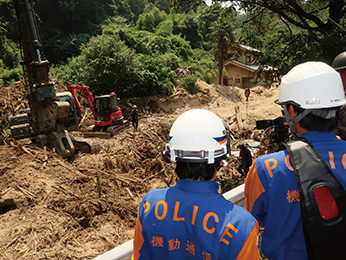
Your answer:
<point x="53" y="209"/>
<point x="182" y="72"/>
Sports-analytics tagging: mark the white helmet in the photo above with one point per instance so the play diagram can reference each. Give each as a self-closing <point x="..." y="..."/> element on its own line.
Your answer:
<point x="198" y="135"/>
<point x="312" y="85"/>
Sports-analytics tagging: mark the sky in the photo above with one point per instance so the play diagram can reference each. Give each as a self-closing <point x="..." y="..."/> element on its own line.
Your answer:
<point x="208" y="2"/>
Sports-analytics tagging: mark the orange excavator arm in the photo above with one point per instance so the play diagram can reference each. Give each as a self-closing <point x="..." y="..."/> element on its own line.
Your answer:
<point x="84" y="90"/>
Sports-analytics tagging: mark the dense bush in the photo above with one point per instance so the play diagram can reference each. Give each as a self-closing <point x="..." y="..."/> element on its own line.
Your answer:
<point x="130" y="56"/>
<point x="121" y="61"/>
<point x="9" y="75"/>
<point x="189" y="82"/>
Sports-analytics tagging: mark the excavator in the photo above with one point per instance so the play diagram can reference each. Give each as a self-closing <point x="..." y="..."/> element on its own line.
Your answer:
<point x="108" y="117"/>
<point x="50" y="114"/>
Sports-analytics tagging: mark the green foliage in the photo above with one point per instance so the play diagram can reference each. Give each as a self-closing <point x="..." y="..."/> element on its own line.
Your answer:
<point x="9" y="75"/>
<point x="188" y="26"/>
<point x="177" y="37"/>
<point x="111" y="61"/>
<point x="136" y="7"/>
<point x="146" y="62"/>
<point x="67" y="24"/>
<point x="162" y="5"/>
<point x="110" y="65"/>
<point x="284" y="44"/>
<point x="148" y="21"/>
<point x="227" y="184"/>
<point x="9" y="52"/>
<point x="222" y="37"/>
<point x="62" y="72"/>
<point x="211" y="74"/>
<point x="172" y="61"/>
<point x="159" y="44"/>
<point x="6" y="134"/>
<point x="201" y="61"/>
<point x="149" y="43"/>
<point x="65" y="47"/>
<point x="260" y="82"/>
<point x="287" y="33"/>
<point x="107" y="64"/>
<point x="155" y="78"/>
<point x="287" y="48"/>
<point x="9" y="49"/>
<point x="188" y="5"/>
<point x="165" y="28"/>
<point x="131" y="46"/>
<point x="189" y="82"/>
<point x="8" y="21"/>
<point x="134" y="39"/>
<point x="180" y="47"/>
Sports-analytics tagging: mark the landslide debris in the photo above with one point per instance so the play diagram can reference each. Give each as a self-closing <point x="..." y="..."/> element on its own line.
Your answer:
<point x="53" y="209"/>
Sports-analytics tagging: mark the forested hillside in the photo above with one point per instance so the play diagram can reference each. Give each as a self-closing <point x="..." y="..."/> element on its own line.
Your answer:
<point x="54" y="209"/>
<point x="133" y="46"/>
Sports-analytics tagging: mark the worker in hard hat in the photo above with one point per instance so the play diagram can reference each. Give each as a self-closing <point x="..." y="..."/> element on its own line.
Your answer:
<point x="134" y="115"/>
<point x="339" y="64"/>
<point x="245" y="160"/>
<point x="191" y="220"/>
<point x="298" y="194"/>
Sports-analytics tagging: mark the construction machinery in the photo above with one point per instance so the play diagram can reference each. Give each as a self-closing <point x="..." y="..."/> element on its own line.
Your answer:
<point x="50" y="114"/>
<point x="108" y="117"/>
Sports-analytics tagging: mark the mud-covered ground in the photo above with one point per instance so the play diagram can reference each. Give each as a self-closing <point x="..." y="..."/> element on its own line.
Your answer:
<point x="54" y="209"/>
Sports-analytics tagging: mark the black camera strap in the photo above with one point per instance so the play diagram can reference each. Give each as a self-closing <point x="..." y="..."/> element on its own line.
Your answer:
<point x="322" y="200"/>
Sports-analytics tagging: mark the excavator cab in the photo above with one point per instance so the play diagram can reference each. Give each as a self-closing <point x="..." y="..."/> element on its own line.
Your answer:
<point x="107" y="111"/>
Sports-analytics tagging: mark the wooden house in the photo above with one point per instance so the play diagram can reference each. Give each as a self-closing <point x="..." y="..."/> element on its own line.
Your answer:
<point x="240" y="65"/>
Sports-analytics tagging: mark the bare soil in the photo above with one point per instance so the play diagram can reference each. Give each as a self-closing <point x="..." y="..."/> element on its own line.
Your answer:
<point x="54" y="209"/>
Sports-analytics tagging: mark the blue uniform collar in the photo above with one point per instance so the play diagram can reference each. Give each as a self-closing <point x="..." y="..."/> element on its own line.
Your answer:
<point x="313" y="136"/>
<point x="197" y="186"/>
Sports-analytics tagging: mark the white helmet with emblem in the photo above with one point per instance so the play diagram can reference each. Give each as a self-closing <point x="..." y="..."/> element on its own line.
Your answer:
<point x="312" y="85"/>
<point x="198" y="135"/>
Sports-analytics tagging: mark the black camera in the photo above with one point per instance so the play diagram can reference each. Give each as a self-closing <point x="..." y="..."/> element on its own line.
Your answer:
<point x="277" y="129"/>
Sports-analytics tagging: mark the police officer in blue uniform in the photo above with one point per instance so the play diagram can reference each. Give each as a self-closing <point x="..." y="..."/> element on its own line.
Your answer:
<point x="311" y="94"/>
<point x="192" y="220"/>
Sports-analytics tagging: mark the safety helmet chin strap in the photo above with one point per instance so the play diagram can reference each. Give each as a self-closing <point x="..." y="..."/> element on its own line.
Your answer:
<point x="297" y="119"/>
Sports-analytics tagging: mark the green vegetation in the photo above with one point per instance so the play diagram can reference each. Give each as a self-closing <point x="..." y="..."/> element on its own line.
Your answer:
<point x="189" y="82"/>
<point x="130" y="62"/>
<point x="132" y="46"/>
<point x="287" y="32"/>
<point x="228" y="184"/>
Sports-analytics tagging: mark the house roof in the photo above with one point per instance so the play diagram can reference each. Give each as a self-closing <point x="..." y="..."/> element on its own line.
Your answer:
<point x="247" y="47"/>
<point x="251" y="67"/>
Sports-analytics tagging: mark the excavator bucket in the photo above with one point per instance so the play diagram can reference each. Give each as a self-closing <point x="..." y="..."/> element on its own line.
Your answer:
<point x="86" y="145"/>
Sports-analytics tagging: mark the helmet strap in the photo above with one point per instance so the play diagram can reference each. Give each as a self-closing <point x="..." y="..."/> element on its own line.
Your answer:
<point x="297" y="119"/>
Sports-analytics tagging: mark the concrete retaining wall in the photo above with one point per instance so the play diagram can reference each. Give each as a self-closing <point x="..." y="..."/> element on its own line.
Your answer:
<point x="124" y="251"/>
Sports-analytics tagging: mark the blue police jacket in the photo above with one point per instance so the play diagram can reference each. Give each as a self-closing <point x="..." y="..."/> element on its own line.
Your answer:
<point x="193" y="221"/>
<point x="272" y="195"/>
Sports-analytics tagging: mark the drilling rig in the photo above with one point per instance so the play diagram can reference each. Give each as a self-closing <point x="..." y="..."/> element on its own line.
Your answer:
<point x="45" y="121"/>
